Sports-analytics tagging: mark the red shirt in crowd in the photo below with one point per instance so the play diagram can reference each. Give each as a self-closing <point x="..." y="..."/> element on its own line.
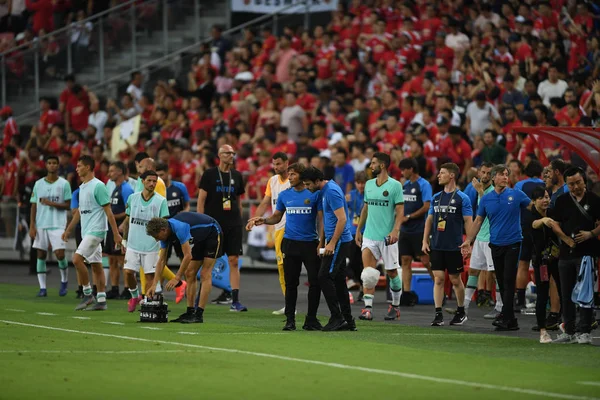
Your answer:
<point x="43" y="17"/>
<point x="457" y="153"/>
<point x="47" y="120"/>
<point x="10" y="130"/>
<point x="10" y="174"/>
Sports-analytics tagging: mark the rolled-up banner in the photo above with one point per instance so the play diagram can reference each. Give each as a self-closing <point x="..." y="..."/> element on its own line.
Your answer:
<point x="285" y="6"/>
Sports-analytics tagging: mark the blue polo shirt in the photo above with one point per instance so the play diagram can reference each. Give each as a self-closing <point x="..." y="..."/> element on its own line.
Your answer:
<point x="300" y="208"/>
<point x="527" y="186"/>
<point x="190" y="226"/>
<point x="452" y="207"/>
<point x="333" y="199"/>
<point x="355" y="206"/>
<point x="561" y="190"/>
<point x="472" y="195"/>
<point x="416" y="194"/>
<point x="504" y="213"/>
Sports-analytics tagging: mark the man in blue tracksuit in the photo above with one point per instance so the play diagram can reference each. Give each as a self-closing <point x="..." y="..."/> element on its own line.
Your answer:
<point x="299" y="246"/>
<point x="502" y="207"/>
<point x="335" y="245"/>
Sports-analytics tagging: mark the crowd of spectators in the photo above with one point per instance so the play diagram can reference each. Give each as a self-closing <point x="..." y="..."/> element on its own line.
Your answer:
<point x="435" y="80"/>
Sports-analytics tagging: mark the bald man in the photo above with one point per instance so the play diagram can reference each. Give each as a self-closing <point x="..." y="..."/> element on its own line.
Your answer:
<point x="148" y="164"/>
<point x="219" y="197"/>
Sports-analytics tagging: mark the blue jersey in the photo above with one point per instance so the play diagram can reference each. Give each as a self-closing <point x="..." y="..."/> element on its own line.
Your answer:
<point x="177" y="196"/>
<point x="119" y="197"/>
<point x="416" y="194"/>
<point x="472" y="195"/>
<point x="355" y="206"/>
<point x="561" y="190"/>
<point x="504" y="213"/>
<point x="301" y="214"/>
<point x="190" y="227"/>
<point x="527" y="186"/>
<point x="333" y="199"/>
<point x="344" y="175"/>
<point x="451" y="208"/>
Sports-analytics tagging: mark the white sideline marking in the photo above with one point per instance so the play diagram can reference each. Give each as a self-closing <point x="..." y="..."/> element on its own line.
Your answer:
<point x="150" y="327"/>
<point x="188" y="333"/>
<point x="45" y="313"/>
<point x="81" y="317"/>
<point x="113" y="323"/>
<point x="100" y="351"/>
<point x="322" y="363"/>
<point x="14" y="310"/>
<point x="590" y="383"/>
<point x="233" y="333"/>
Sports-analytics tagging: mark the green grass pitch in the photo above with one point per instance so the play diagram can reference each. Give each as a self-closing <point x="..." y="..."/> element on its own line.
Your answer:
<point x="49" y="351"/>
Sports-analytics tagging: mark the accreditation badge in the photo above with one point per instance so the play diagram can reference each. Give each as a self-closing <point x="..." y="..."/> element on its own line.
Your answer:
<point x="226" y="205"/>
<point x="355" y="220"/>
<point x="441" y="226"/>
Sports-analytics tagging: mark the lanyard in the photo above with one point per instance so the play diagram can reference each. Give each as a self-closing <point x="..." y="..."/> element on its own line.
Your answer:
<point x="223" y="186"/>
<point x="444" y="216"/>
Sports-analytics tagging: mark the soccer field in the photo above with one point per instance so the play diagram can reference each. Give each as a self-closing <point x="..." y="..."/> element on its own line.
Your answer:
<point x="49" y="351"/>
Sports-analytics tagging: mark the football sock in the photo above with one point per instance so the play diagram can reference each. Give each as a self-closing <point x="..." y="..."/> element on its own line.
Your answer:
<point x="158" y="288"/>
<point x="134" y="292"/>
<point x="167" y="274"/>
<point x="190" y="310"/>
<point x="438" y="310"/>
<point x="235" y="295"/>
<point x="87" y="290"/>
<point x="396" y="286"/>
<point x="101" y="297"/>
<point x="470" y="289"/>
<point x="368" y="298"/>
<point x="142" y="281"/>
<point x="64" y="271"/>
<point x="41" y="273"/>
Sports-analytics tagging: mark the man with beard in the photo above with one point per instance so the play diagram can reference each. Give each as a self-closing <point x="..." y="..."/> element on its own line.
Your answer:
<point x="383" y="214"/>
<point x="299" y="245"/>
<point x="556" y="169"/>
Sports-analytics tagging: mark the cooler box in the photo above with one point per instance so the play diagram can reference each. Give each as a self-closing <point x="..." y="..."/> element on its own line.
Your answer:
<point x="422" y="285"/>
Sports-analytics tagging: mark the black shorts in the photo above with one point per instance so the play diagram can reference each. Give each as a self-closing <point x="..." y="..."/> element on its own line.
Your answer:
<point x="108" y="247"/>
<point x="177" y="248"/>
<point x="410" y="244"/>
<point x="526" y="248"/>
<point x="451" y="261"/>
<point x="211" y="247"/>
<point x="232" y="241"/>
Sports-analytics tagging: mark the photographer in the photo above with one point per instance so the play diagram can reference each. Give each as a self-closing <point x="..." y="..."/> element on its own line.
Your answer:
<point x="545" y="256"/>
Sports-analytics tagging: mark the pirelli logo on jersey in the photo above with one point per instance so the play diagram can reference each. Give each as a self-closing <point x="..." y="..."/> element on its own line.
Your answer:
<point x="114" y="201"/>
<point x="378" y="203"/>
<point x="445" y="209"/>
<point x="138" y="221"/>
<point x="410" y="197"/>
<point x="53" y="199"/>
<point x="85" y="212"/>
<point x="173" y="203"/>
<point x="299" y="210"/>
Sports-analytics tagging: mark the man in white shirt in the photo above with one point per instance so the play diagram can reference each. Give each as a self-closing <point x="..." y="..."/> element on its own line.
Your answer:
<point x="135" y="89"/>
<point x="480" y="115"/>
<point x="552" y="87"/>
<point x="97" y="117"/>
<point x="293" y="117"/>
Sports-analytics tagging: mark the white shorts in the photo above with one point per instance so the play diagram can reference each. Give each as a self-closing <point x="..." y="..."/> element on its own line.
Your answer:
<point x="481" y="257"/>
<point x="388" y="254"/>
<point x="49" y="237"/>
<point x="90" y="249"/>
<point x="134" y="260"/>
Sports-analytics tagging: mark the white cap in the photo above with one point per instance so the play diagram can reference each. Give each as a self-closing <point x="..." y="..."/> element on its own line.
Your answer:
<point x="325" y="153"/>
<point x="336" y="137"/>
<point x="520" y="19"/>
<point x="244" y="76"/>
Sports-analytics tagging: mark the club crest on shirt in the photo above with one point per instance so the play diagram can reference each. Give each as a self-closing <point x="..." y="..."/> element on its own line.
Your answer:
<point x="510" y="198"/>
<point x="586" y="207"/>
<point x="413" y="190"/>
<point x="452" y="201"/>
<point x="306" y="201"/>
<point x="232" y="181"/>
<point x="386" y="193"/>
<point x="174" y="194"/>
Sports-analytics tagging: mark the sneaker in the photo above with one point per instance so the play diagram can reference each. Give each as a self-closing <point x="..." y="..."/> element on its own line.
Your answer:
<point x="281" y="311"/>
<point x="492" y="314"/>
<point x="63" y="289"/>
<point x="42" y="293"/>
<point x="366" y="314"/>
<point x="223" y="299"/>
<point x="97" y="307"/>
<point x="125" y="294"/>
<point x="351" y="297"/>
<point x="335" y="325"/>
<point x="481" y="298"/>
<point x="499" y="318"/>
<point x="85" y="302"/>
<point x="290" y="325"/>
<point x="113" y="294"/>
<point x="132" y="303"/>
<point x="438" y="320"/>
<point x="409" y="299"/>
<point x="238" y="307"/>
<point x="565" y="338"/>
<point x="584" y="338"/>
<point x="507" y="325"/>
<point x="180" y="292"/>
<point x="552" y="322"/>
<point x="350" y="326"/>
<point x="193" y="318"/>
<point x="459" y="319"/>
<point x="79" y="293"/>
<point x="393" y="313"/>
<point x="545" y="338"/>
<point x="312" y="324"/>
<point x="181" y="317"/>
